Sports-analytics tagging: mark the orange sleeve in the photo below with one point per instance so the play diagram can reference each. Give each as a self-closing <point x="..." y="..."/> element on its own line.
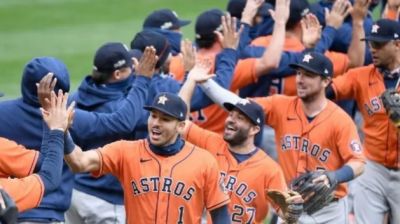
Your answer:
<point x="214" y="195"/>
<point x="177" y="68"/>
<point x="345" y="86"/>
<point x="348" y="141"/>
<point x="111" y="157"/>
<point x="276" y="181"/>
<point x="389" y="13"/>
<point x="204" y="138"/>
<point x="11" y="155"/>
<point x="340" y="62"/>
<point x="244" y="74"/>
<point x="266" y="103"/>
<point x="27" y="192"/>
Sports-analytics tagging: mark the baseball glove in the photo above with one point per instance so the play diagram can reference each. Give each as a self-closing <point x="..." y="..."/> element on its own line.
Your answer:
<point x="391" y="101"/>
<point x="289" y="202"/>
<point x="315" y="195"/>
<point x="8" y="209"/>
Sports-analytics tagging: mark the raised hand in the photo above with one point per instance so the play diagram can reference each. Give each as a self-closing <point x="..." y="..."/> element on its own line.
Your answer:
<point x="250" y="11"/>
<point x="57" y="116"/>
<point x="360" y="9"/>
<point x="229" y="37"/>
<point x="311" y="30"/>
<point x="147" y="63"/>
<point x="282" y="11"/>
<point x="188" y="53"/>
<point x="340" y="10"/>
<point x="44" y="89"/>
<point x="200" y="72"/>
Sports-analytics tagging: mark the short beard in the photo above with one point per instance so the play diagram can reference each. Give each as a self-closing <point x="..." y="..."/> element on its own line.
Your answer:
<point x="239" y="138"/>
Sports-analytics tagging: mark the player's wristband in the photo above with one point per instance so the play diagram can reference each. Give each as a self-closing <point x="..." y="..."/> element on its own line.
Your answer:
<point x="342" y="175"/>
<point x="69" y="144"/>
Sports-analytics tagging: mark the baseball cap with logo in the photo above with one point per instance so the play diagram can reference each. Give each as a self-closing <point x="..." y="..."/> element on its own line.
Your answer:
<point x="112" y="56"/>
<point x="384" y="30"/>
<point x="165" y="19"/>
<point x="208" y="22"/>
<point x="316" y="63"/>
<point x="250" y="109"/>
<point x="170" y="104"/>
<point x="147" y="38"/>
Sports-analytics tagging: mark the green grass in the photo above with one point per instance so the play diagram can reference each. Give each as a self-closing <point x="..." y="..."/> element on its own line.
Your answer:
<point x="72" y="30"/>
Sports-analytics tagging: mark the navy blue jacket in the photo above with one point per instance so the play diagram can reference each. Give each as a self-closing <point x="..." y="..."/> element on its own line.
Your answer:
<point x="21" y="121"/>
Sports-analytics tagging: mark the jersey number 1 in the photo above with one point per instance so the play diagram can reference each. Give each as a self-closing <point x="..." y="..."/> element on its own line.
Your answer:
<point x="180" y="220"/>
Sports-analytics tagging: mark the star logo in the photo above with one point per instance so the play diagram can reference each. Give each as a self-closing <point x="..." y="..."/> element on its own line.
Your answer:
<point x="258" y="120"/>
<point x="244" y="102"/>
<point x="326" y="71"/>
<point x="307" y="58"/>
<point x="162" y="99"/>
<point x="375" y="28"/>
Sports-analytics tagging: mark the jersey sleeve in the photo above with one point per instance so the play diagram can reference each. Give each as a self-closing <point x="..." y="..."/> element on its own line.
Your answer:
<point x="340" y="62"/>
<point x="345" y="86"/>
<point x="214" y="195"/>
<point x="348" y="142"/>
<point x="16" y="160"/>
<point x="177" y="68"/>
<point x="111" y="157"/>
<point x="276" y="181"/>
<point x="203" y="138"/>
<point x="266" y="103"/>
<point x="27" y="192"/>
<point x="244" y="74"/>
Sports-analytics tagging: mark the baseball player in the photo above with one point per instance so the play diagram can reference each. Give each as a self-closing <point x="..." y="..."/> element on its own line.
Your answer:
<point x="246" y="171"/>
<point x="27" y="189"/>
<point x="377" y="191"/>
<point x="308" y="134"/>
<point x="165" y="179"/>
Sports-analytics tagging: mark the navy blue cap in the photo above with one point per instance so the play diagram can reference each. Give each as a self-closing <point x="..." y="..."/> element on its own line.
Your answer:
<point x="170" y="104"/>
<point x="298" y="9"/>
<point x="165" y="19"/>
<point x="148" y="38"/>
<point x="384" y="30"/>
<point x="111" y="56"/>
<point x="316" y="63"/>
<point x="236" y="7"/>
<point x="208" y="22"/>
<point x="250" y="109"/>
<point x="135" y="53"/>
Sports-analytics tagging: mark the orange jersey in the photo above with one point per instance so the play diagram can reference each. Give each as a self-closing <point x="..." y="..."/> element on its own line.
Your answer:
<point x="176" y="68"/>
<point x="16" y="160"/>
<point x="246" y="182"/>
<point x="27" y="192"/>
<point x="159" y="189"/>
<point x="365" y="85"/>
<point x="328" y="142"/>
<point x="212" y="117"/>
<point x="287" y="85"/>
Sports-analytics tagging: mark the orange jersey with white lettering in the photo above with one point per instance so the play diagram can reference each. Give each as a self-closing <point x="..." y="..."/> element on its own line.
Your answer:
<point x="16" y="160"/>
<point x="246" y="182"/>
<point x="212" y="117"/>
<point x="27" y="192"/>
<point x="365" y="85"/>
<point x="328" y="142"/>
<point x="160" y="189"/>
<point x="287" y="85"/>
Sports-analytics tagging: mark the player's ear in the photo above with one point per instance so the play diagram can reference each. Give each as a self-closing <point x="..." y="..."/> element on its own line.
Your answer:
<point x="181" y="127"/>
<point x="255" y="129"/>
<point x="326" y="81"/>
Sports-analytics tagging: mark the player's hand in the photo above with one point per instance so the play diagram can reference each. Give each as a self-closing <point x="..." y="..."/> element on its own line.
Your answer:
<point x="393" y="4"/>
<point x="250" y="11"/>
<point x="322" y="179"/>
<point x="311" y="30"/>
<point x="188" y="54"/>
<point x="340" y="10"/>
<point x="200" y="72"/>
<point x="281" y="13"/>
<point x="229" y="37"/>
<point x="57" y="116"/>
<point x="147" y="63"/>
<point x="360" y="9"/>
<point x="44" y="89"/>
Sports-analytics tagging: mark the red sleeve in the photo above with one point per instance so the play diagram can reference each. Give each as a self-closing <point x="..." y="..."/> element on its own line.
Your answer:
<point x="16" y="160"/>
<point x="27" y="192"/>
<point x="111" y="158"/>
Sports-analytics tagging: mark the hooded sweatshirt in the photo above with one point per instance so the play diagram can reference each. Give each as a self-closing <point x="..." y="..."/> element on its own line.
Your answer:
<point x="21" y="121"/>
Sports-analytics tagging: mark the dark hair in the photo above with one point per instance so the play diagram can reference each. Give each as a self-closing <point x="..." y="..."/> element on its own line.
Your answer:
<point x="100" y="77"/>
<point x="206" y="41"/>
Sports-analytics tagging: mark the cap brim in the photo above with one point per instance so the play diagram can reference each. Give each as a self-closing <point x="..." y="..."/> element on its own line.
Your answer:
<point x="307" y="68"/>
<point x="184" y="22"/>
<point x="150" y="108"/>
<point x="230" y="107"/>
<point x="376" y="39"/>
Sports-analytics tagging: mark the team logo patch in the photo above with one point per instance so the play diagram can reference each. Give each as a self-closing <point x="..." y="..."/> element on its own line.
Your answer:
<point x="307" y="58"/>
<point x="355" y="146"/>
<point x="162" y="99"/>
<point x="375" y="28"/>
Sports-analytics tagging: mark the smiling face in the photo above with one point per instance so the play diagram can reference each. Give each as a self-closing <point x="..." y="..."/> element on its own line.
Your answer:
<point x="238" y="128"/>
<point x="163" y="129"/>
<point x="310" y="85"/>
